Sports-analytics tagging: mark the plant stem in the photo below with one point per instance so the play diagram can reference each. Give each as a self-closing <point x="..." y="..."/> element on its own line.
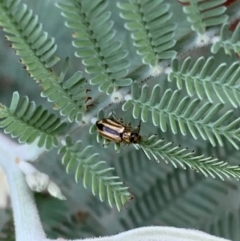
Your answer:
<point x="28" y="226"/>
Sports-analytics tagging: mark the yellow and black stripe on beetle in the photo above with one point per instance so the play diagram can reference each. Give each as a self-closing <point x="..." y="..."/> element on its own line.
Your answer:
<point x="118" y="132"/>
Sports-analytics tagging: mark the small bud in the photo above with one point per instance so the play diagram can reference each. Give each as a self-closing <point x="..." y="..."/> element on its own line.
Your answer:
<point x="204" y="39"/>
<point x="37" y="181"/>
<point x="116" y="97"/>
<point x="156" y="70"/>
<point x="55" y="191"/>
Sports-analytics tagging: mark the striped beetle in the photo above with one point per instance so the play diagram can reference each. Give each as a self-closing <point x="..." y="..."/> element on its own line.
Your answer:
<point x="118" y="132"/>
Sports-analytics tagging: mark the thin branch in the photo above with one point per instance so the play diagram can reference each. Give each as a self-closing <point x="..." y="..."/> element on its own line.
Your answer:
<point x="28" y="226"/>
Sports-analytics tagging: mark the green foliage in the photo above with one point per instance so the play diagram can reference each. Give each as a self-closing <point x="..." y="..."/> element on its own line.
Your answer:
<point x="152" y="32"/>
<point x="180" y="199"/>
<point x="197" y="104"/>
<point x="52" y="216"/>
<point x="58" y="220"/>
<point x="203" y="14"/>
<point x="229" y="44"/>
<point x="69" y="96"/>
<point x="102" y="55"/>
<point x="37" y="50"/>
<point x="28" y="122"/>
<point x="79" y="224"/>
<point x="225" y="225"/>
<point x="183" y="112"/>
<point x="91" y="170"/>
<point x="34" y="47"/>
<point x="177" y="156"/>
<point x="134" y="172"/>
<point x="200" y="78"/>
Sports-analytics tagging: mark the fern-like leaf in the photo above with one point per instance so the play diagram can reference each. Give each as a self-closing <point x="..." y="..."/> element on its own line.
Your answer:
<point x="68" y="96"/>
<point x="182" y="199"/>
<point x="34" y="47"/>
<point x="229" y="44"/>
<point x="132" y="169"/>
<point x="224" y="225"/>
<point x="37" y="50"/>
<point x="81" y="224"/>
<point x="203" y="14"/>
<point x="91" y="170"/>
<point x="28" y="122"/>
<point x="102" y="56"/>
<point x="151" y="31"/>
<point x="177" y="156"/>
<point x="183" y="113"/>
<point x="200" y="78"/>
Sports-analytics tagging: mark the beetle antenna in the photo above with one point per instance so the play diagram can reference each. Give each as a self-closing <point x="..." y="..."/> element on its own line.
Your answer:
<point x="139" y="126"/>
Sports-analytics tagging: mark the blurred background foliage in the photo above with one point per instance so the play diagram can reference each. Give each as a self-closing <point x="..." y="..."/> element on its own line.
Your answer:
<point x="162" y="195"/>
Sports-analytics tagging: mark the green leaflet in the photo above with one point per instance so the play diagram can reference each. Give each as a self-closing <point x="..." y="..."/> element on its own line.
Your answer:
<point x="199" y="78"/>
<point x="27" y="122"/>
<point x="33" y="45"/>
<point x="169" y="198"/>
<point x="174" y="197"/>
<point x="69" y="96"/>
<point x="203" y="14"/>
<point x="183" y="112"/>
<point x="229" y="44"/>
<point x="152" y="32"/>
<point x="91" y="170"/>
<point x="102" y="55"/>
<point x="209" y="166"/>
<point x="37" y="51"/>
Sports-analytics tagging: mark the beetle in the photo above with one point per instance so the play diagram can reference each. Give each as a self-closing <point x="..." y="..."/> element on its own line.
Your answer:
<point x="118" y="132"/>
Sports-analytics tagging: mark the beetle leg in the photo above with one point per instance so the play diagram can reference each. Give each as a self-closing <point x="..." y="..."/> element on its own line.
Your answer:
<point x="106" y="143"/>
<point x="112" y="115"/>
<point x="121" y="121"/>
<point x="129" y="124"/>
